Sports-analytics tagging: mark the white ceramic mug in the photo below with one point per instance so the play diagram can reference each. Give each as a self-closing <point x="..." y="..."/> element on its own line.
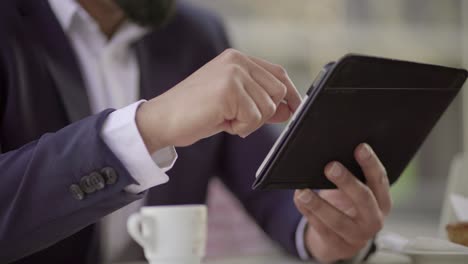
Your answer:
<point x="171" y="234"/>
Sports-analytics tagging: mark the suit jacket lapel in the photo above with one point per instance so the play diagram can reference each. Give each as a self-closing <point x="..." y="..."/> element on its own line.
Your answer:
<point x="59" y="57"/>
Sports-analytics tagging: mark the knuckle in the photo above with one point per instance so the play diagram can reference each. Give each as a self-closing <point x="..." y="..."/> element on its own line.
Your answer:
<point x="270" y="110"/>
<point x="364" y="194"/>
<point x="226" y="87"/>
<point x="281" y="71"/>
<point x="232" y="55"/>
<point x="255" y="117"/>
<point x="229" y="87"/>
<point x="234" y="70"/>
<point x="237" y="130"/>
<point x="280" y="91"/>
<point x="244" y="130"/>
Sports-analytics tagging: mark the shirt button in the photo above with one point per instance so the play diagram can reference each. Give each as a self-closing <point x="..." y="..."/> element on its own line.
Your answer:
<point x="76" y="191"/>
<point x="97" y="180"/>
<point x="110" y="175"/>
<point x="86" y="185"/>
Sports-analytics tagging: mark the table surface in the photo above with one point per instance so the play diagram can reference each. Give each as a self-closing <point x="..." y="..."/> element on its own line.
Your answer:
<point x="379" y="258"/>
<point x="411" y="227"/>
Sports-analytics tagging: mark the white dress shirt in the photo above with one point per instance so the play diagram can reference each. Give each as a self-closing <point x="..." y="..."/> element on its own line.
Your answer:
<point x="111" y="73"/>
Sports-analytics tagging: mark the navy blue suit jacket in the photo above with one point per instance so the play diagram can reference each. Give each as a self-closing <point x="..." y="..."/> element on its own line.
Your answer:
<point x="49" y="140"/>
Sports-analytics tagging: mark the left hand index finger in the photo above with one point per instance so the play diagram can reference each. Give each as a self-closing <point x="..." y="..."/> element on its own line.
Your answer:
<point x="293" y="98"/>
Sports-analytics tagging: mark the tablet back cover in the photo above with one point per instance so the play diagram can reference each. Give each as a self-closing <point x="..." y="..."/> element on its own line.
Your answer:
<point x="390" y="104"/>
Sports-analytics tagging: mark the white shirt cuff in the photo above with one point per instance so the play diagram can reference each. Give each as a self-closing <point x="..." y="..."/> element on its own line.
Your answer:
<point x="303" y="253"/>
<point x="121" y="135"/>
<point x="300" y="243"/>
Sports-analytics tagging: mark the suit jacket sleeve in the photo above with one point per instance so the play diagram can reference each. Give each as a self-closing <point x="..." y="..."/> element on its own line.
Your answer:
<point x="37" y="208"/>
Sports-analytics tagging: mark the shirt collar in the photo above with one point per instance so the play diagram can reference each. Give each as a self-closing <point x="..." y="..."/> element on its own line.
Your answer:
<point x="64" y="10"/>
<point x="68" y="11"/>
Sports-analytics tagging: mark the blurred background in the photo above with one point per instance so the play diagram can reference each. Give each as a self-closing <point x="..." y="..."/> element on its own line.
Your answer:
<point x="303" y="35"/>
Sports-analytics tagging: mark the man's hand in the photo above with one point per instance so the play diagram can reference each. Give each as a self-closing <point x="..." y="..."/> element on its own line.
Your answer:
<point x="234" y="93"/>
<point x="342" y="221"/>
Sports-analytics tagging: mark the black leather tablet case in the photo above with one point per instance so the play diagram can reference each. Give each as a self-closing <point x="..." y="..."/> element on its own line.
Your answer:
<point x="390" y="104"/>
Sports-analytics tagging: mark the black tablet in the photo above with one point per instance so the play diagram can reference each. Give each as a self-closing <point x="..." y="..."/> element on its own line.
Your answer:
<point x="390" y="104"/>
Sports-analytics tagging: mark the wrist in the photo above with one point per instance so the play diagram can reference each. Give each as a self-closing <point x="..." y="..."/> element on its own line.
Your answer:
<point x="150" y="122"/>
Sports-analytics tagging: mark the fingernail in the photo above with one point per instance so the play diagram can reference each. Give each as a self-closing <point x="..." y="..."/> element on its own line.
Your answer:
<point x="305" y="196"/>
<point x="365" y="152"/>
<point x="335" y="170"/>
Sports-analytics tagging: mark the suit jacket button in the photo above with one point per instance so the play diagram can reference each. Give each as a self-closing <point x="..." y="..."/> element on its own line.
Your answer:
<point x="76" y="191"/>
<point x="97" y="180"/>
<point x="110" y="175"/>
<point x="86" y="185"/>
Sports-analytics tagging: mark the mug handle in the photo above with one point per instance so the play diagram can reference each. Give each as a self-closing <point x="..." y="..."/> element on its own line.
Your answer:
<point x="134" y="223"/>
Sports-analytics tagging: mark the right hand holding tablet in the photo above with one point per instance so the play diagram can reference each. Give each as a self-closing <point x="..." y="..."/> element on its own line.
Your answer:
<point x="233" y="93"/>
<point x="341" y="222"/>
